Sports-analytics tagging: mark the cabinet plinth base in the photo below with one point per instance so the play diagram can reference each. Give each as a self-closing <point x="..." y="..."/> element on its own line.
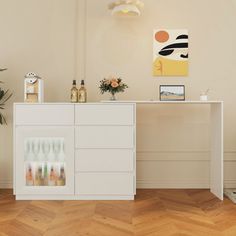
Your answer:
<point x="74" y="197"/>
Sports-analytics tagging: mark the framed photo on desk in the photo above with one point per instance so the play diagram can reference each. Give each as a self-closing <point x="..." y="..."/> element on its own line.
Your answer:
<point x="172" y="93"/>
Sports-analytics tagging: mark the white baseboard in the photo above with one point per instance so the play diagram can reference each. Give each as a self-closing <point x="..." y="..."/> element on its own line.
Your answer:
<point x="6" y="184"/>
<point x="154" y="184"/>
<point x="230" y="184"/>
<point x="143" y="184"/>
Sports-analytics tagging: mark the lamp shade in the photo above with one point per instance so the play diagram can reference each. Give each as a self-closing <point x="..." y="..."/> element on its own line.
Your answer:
<point x="126" y="9"/>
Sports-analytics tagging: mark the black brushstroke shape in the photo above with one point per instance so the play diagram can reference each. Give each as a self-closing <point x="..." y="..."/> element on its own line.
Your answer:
<point x="184" y="56"/>
<point x="166" y="52"/>
<point x="182" y="36"/>
<point x="176" y="45"/>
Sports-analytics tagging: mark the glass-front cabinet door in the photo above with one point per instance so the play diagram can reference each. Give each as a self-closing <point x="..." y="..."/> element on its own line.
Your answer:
<point x="44" y="160"/>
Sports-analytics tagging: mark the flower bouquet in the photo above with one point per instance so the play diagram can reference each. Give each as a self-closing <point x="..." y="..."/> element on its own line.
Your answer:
<point x="112" y="85"/>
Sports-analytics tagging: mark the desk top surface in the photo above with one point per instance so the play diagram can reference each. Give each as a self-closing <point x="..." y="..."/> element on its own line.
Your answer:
<point x="165" y="102"/>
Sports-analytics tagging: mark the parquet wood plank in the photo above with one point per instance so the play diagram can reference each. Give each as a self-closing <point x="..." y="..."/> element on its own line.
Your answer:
<point x="16" y="228"/>
<point x="153" y="213"/>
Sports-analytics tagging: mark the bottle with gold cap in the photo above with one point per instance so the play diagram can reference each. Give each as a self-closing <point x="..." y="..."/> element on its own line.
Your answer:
<point x="82" y="94"/>
<point x="74" y="92"/>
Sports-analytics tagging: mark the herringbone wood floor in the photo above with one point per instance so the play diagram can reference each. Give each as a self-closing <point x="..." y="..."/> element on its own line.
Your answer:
<point x="153" y="213"/>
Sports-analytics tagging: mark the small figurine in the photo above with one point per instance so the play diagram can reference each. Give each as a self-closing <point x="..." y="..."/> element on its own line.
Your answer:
<point x="33" y="88"/>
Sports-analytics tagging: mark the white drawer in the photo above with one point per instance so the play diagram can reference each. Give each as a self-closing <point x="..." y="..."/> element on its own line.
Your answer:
<point x="104" y="183"/>
<point x="40" y="114"/>
<point x="104" y="114"/>
<point x="104" y="160"/>
<point x="104" y="136"/>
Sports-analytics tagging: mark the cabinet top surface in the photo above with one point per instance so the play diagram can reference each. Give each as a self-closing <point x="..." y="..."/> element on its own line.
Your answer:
<point x="126" y="102"/>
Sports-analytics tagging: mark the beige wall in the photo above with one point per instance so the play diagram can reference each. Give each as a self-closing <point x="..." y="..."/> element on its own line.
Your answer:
<point x="35" y="36"/>
<point x="173" y="142"/>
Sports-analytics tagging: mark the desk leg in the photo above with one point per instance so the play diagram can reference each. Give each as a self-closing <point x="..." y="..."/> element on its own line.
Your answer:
<point x="216" y="177"/>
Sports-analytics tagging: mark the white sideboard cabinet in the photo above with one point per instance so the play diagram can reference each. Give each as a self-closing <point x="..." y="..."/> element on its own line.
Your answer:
<point x="75" y="151"/>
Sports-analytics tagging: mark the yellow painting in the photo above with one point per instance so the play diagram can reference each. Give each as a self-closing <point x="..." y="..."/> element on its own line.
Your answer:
<point x="170" y="53"/>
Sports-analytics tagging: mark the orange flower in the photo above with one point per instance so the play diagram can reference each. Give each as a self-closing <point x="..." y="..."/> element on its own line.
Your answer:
<point x="114" y="84"/>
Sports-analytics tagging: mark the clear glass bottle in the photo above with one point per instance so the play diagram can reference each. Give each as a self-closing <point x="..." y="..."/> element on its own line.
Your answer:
<point x="74" y="92"/>
<point x="45" y="174"/>
<point x="52" y="177"/>
<point x="61" y="181"/>
<point x="29" y="176"/>
<point x="82" y="93"/>
<point x="39" y="180"/>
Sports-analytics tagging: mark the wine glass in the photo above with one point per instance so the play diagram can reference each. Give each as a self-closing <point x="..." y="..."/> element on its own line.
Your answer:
<point x="26" y="149"/>
<point x="35" y="147"/>
<point x="61" y="155"/>
<point x="31" y="155"/>
<point x="46" y="147"/>
<point x="41" y="155"/>
<point x="51" y="154"/>
<point x="56" y="147"/>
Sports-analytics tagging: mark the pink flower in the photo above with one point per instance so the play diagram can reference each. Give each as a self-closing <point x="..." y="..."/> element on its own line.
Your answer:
<point x="114" y="80"/>
<point x="114" y="84"/>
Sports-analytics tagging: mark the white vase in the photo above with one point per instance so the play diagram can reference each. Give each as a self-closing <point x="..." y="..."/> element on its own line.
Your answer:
<point x="203" y="98"/>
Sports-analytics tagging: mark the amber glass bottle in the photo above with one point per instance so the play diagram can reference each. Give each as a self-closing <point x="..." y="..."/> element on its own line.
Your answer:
<point x="82" y="93"/>
<point x="74" y="92"/>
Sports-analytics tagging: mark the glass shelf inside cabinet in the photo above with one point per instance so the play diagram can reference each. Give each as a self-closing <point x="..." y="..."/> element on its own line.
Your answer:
<point x="44" y="162"/>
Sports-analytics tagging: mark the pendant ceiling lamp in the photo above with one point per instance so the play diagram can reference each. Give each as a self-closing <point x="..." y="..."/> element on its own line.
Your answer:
<point x="126" y="7"/>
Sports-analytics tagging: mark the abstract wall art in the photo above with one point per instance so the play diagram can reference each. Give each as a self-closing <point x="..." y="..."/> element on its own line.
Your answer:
<point x="170" y="53"/>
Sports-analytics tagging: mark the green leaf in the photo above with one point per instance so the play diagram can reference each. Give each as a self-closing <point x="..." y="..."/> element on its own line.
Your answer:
<point x="2" y="93"/>
<point x="2" y="120"/>
<point x="6" y="97"/>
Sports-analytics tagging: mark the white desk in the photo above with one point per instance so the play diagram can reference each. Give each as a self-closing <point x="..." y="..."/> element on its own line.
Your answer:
<point x="217" y="156"/>
<point x="100" y="164"/>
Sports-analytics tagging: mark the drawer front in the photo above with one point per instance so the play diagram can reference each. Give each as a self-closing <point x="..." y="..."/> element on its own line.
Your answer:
<point x="104" y="114"/>
<point x="38" y="114"/>
<point x="104" y="160"/>
<point x="104" y="184"/>
<point x="104" y="137"/>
